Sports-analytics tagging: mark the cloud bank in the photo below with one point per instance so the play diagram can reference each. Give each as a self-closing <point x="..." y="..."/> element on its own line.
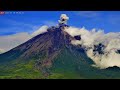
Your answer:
<point x="10" y="41"/>
<point x="103" y="49"/>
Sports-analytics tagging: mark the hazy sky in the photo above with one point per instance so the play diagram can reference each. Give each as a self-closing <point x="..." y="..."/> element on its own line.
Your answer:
<point x="32" y="20"/>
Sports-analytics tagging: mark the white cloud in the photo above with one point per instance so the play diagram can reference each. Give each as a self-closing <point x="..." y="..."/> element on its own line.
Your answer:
<point x="89" y="38"/>
<point x="10" y="41"/>
<point x="63" y="19"/>
<point x="41" y="30"/>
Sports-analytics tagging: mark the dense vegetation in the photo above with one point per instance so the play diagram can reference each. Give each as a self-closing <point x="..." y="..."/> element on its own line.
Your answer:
<point x="65" y="66"/>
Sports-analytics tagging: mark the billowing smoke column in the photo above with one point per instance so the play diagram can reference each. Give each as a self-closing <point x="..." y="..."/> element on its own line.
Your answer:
<point x="63" y="19"/>
<point x="103" y="49"/>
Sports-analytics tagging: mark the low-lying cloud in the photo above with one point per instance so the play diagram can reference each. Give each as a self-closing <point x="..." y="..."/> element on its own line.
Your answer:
<point x="100" y="47"/>
<point x="10" y="41"/>
<point x="41" y="30"/>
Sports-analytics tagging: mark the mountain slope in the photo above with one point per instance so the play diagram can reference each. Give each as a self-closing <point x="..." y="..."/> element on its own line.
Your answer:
<point x="50" y="55"/>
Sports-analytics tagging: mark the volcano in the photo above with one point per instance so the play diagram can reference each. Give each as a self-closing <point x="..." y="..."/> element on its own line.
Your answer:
<point x="51" y="55"/>
<point x="50" y="51"/>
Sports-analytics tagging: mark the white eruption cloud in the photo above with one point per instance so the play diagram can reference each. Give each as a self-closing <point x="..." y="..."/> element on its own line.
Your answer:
<point x="64" y="16"/>
<point x="91" y="38"/>
<point x="63" y="19"/>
